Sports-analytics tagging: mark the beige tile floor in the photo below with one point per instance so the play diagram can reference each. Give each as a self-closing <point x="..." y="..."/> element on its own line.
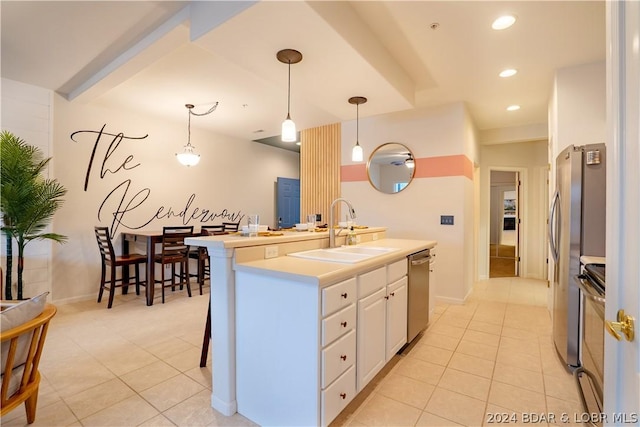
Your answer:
<point x="135" y="365"/>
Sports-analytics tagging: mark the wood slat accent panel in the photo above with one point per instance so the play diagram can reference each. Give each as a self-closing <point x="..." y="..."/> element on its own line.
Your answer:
<point x="320" y="156"/>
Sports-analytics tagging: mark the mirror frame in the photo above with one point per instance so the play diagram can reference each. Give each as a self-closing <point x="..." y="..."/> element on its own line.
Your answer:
<point x="379" y="148"/>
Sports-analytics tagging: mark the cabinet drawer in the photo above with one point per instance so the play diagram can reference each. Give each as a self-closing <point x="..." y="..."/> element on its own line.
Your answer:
<point x="338" y="324"/>
<point x="338" y="357"/>
<point x="370" y="282"/>
<point x="396" y="270"/>
<point x="338" y="395"/>
<point x="338" y="296"/>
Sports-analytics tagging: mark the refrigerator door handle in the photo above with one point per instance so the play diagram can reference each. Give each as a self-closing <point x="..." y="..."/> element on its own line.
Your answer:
<point x="553" y="213"/>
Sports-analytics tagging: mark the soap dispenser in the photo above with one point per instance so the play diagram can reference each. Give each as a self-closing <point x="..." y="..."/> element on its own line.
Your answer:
<point x="352" y="239"/>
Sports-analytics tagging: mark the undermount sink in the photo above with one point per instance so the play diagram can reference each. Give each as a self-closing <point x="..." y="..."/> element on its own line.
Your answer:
<point x="344" y="254"/>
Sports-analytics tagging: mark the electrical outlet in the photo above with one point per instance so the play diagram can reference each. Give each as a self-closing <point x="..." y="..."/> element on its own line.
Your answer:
<point x="446" y="219"/>
<point x="374" y="236"/>
<point x="271" y="252"/>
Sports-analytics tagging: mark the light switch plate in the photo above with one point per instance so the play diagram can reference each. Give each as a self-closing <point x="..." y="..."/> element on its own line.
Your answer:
<point x="270" y="251"/>
<point x="446" y="219"/>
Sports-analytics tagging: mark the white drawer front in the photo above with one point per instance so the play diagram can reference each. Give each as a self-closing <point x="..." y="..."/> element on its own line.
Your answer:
<point x="338" y="324"/>
<point x="370" y="282"/>
<point x="396" y="270"/>
<point x="338" y="357"/>
<point x="338" y="296"/>
<point x="338" y="395"/>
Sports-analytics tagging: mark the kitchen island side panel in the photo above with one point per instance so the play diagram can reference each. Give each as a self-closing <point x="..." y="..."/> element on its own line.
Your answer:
<point x="277" y="342"/>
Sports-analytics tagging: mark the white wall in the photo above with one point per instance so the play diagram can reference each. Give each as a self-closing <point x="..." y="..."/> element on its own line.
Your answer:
<point x="529" y="158"/>
<point x="26" y="112"/>
<point x="141" y="176"/>
<point x="577" y="113"/>
<point x="414" y="213"/>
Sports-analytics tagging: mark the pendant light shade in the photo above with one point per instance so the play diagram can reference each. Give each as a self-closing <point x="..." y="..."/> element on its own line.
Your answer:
<point x="188" y="157"/>
<point x="289" y="56"/>
<point x="289" y="133"/>
<point x="357" y="154"/>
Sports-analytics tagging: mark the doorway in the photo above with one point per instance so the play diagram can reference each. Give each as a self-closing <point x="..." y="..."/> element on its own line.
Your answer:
<point x="504" y="224"/>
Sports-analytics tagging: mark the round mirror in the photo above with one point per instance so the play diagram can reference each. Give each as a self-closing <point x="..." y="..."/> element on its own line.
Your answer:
<point x="391" y="167"/>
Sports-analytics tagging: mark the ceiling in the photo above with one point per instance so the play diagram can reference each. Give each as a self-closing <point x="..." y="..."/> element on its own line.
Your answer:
<point x="156" y="56"/>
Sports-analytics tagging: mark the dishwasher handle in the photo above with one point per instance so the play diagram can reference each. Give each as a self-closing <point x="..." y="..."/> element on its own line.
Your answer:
<point x="420" y="261"/>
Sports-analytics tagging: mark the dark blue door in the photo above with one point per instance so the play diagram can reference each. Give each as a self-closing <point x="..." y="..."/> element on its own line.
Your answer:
<point x="288" y="200"/>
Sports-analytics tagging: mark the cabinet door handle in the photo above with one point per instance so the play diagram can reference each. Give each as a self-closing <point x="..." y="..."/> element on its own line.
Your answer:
<point x="343" y="357"/>
<point x="393" y="294"/>
<point x="343" y="395"/>
<point x="386" y="297"/>
<point x="344" y="324"/>
<point x="344" y="295"/>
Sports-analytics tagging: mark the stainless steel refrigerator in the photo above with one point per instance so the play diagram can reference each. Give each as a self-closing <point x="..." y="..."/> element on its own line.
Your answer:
<point x="576" y="227"/>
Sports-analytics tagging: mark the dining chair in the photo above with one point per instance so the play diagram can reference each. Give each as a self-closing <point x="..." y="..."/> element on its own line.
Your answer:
<point x="111" y="262"/>
<point x="175" y="252"/>
<point x="231" y="226"/>
<point x="201" y="255"/>
<point x="24" y="330"/>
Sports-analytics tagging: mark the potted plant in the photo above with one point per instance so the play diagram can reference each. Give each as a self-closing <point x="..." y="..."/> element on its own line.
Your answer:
<point x="28" y="201"/>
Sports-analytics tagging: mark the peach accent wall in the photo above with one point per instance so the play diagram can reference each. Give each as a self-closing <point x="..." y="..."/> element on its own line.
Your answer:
<point x="427" y="167"/>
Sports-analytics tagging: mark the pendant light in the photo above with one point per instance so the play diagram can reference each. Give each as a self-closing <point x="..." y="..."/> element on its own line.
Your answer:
<point x="188" y="157"/>
<point x="289" y="56"/>
<point x="357" y="155"/>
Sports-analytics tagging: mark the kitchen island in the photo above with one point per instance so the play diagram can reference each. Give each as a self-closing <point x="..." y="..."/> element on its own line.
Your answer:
<point x="237" y="298"/>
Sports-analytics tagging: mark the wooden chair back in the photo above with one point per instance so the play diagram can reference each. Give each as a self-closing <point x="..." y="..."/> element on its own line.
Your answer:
<point x="104" y="244"/>
<point x="29" y="379"/>
<point x="173" y="247"/>
<point x="231" y="226"/>
<point x="210" y="230"/>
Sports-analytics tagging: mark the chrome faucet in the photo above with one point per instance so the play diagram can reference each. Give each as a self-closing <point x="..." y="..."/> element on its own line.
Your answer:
<point x="352" y="214"/>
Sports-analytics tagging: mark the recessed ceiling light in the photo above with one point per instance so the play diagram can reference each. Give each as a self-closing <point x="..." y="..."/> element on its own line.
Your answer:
<point x="503" y="22"/>
<point x="513" y="107"/>
<point x="508" y="72"/>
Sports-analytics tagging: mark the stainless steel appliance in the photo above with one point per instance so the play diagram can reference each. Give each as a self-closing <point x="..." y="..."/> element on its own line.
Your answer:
<point x="418" y="293"/>
<point x="590" y="376"/>
<point x="576" y="227"/>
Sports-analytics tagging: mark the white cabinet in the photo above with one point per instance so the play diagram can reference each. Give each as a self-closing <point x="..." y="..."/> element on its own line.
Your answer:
<point x="304" y="352"/>
<point x="371" y="336"/>
<point x="396" y="317"/>
<point x="382" y="318"/>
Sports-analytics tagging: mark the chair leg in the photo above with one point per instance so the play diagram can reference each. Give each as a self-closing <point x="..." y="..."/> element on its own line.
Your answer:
<point x="186" y="277"/>
<point x="162" y="283"/>
<point x="30" y="406"/>
<point x="207" y="338"/>
<point x="103" y="277"/>
<point x="112" y="290"/>
<point x="200" y="273"/>
<point x="137" y="267"/>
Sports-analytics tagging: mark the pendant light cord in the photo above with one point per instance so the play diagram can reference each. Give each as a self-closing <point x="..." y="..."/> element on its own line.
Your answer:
<point x="289" y="93"/>
<point x="357" y="124"/>
<point x="190" y="112"/>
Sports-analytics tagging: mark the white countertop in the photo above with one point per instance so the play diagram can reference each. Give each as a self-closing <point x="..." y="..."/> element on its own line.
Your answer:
<point x="325" y="273"/>
<point x="229" y="241"/>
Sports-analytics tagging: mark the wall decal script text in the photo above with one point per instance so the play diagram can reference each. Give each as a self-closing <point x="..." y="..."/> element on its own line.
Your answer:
<point x="122" y="200"/>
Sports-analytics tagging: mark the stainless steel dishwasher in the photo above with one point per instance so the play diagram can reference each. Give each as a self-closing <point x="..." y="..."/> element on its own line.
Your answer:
<point x="418" y="295"/>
